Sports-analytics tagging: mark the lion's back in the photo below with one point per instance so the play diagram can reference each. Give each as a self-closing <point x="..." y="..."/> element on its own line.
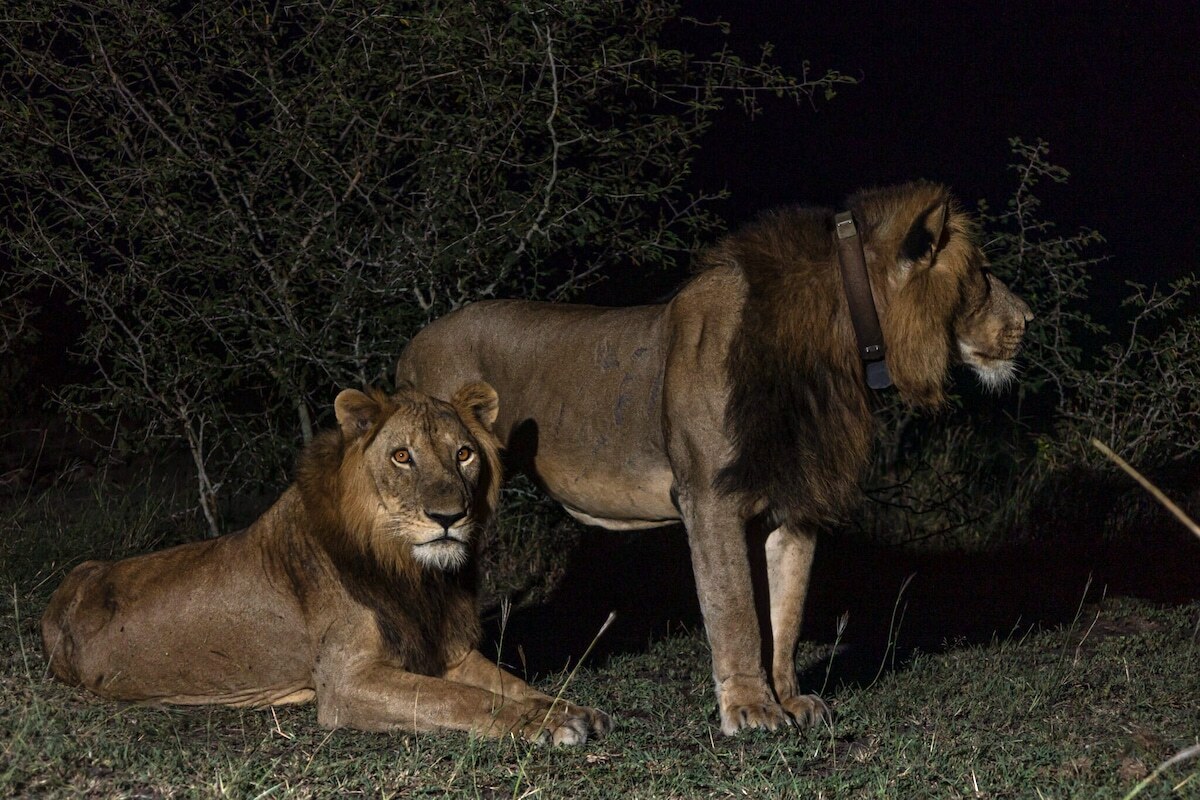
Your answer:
<point x="450" y="350"/>
<point x="529" y="349"/>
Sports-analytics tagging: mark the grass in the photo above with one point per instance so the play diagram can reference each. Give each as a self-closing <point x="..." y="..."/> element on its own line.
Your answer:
<point x="1088" y="707"/>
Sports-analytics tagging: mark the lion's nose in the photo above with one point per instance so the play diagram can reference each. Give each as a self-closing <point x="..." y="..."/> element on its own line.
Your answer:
<point x="445" y="520"/>
<point x="1026" y="311"/>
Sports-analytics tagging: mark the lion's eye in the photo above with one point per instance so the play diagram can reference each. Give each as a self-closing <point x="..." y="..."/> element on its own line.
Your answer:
<point x="402" y="457"/>
<point x="464" y="454"/>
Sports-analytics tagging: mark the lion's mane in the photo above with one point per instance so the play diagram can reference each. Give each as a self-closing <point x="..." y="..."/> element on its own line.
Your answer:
<point x="799" y="411"/>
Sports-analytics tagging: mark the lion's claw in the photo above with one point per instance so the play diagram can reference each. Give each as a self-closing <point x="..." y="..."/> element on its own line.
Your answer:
<point x="768" y="716"/>
<point x="806" y="710"/>
<point x="746" y="702"/>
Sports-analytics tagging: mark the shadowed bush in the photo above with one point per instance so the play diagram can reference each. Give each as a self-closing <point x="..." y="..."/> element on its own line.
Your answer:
<point x="251" y="207"/>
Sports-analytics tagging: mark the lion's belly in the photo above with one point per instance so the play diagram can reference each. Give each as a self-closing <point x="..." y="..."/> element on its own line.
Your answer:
<point x="628" y="499"/>
<point x="580" y="399"/>
<point x="599" y="452"/>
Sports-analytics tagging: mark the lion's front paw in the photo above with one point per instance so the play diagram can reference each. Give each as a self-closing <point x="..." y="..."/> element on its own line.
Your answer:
<point x="748" y="703"/>
<point x="754" y="715"/>
<point x="599" y="723"/>
<point x="570" y="731"/>
<point x="807" y="710"/>
<point x="565" y="724"/>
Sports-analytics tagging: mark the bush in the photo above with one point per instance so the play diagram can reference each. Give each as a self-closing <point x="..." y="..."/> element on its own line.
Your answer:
<point x="16" y="334"/>
<point x="252" y="207"/>
<point x="1142" y="397"/>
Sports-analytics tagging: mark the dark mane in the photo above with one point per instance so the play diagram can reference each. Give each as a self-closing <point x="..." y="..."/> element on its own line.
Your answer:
<point x="798" y="411"/>
<point x="422" y="615"/>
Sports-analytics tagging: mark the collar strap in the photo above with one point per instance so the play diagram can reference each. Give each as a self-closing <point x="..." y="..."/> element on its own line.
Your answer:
<point x="862" y="306"/>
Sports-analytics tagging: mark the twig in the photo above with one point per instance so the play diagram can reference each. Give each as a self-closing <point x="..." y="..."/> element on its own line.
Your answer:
<point x="893" y="631"/>
<point x="278" y="729"/>
<point x="1178" y="758"/>
<point x="1188" y="522"/>
<point x="558" y="699"/>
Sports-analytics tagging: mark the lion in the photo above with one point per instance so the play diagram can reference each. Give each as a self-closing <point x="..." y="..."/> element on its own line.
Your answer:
<point x="356" y="589"/>
<point x="739" y="406"/>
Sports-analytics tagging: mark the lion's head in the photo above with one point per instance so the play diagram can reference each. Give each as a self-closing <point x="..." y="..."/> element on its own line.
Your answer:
<point x="939" y="303"/>
<point x="410" y="477"/>
<point x="989" y="329"/>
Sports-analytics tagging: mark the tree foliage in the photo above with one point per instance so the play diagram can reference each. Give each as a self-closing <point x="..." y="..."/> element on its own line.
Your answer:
<point x="254" y="204"/>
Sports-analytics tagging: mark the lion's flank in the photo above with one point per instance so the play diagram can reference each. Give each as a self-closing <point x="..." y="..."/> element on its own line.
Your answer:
<point x="798" y="411"/>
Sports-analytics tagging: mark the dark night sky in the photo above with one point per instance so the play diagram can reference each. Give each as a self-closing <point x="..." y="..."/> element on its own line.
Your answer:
<point x="1113" y="87"/>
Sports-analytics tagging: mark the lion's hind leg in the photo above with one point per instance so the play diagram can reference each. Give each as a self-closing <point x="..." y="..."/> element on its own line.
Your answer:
<point x="69" y="621"/>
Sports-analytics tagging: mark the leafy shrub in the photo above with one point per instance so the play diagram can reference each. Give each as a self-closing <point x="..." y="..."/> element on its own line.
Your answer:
<point x="251" y="206"/>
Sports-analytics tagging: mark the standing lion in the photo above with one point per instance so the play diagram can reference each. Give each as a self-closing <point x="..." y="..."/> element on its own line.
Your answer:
<point x="739" y="407"/>
<point x="356" y="589"/>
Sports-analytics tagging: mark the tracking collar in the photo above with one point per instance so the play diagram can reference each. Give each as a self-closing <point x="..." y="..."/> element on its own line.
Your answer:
<point x="862" y="306"/>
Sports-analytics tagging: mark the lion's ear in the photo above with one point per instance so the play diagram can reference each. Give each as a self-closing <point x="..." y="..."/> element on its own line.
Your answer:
<point x="356" y="412"/>
<point x="927" y="235"/>
<point x="477" y="401"/>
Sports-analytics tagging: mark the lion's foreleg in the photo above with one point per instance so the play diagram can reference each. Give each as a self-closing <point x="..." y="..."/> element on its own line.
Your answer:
<point x="720" y="560"/>
<point x="476" y="670"/>
<point x="789" y="564"/>
<point x="380" y="697"/>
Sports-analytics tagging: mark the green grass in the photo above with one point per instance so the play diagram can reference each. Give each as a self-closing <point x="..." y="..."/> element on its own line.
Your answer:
<point x="1087" y="709"/>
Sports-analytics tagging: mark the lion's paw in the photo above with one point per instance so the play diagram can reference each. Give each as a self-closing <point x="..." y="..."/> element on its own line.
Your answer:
<point x="562" y="725"/>
<point x="599" y="723"/>
<point x="570" y="732"/>
<point x="807" y="710"/>
<point x="746" y="704"/>
<point x="768" y="716"/>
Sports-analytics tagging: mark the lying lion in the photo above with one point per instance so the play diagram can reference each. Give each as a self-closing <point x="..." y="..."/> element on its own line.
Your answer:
<point x="357" y="588"/>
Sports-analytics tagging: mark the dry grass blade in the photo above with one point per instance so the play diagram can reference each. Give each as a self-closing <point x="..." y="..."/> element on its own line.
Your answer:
<point x="612" y="615"/>
<point x="1180" y="757"/>
<point x="1149" y="487"/>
